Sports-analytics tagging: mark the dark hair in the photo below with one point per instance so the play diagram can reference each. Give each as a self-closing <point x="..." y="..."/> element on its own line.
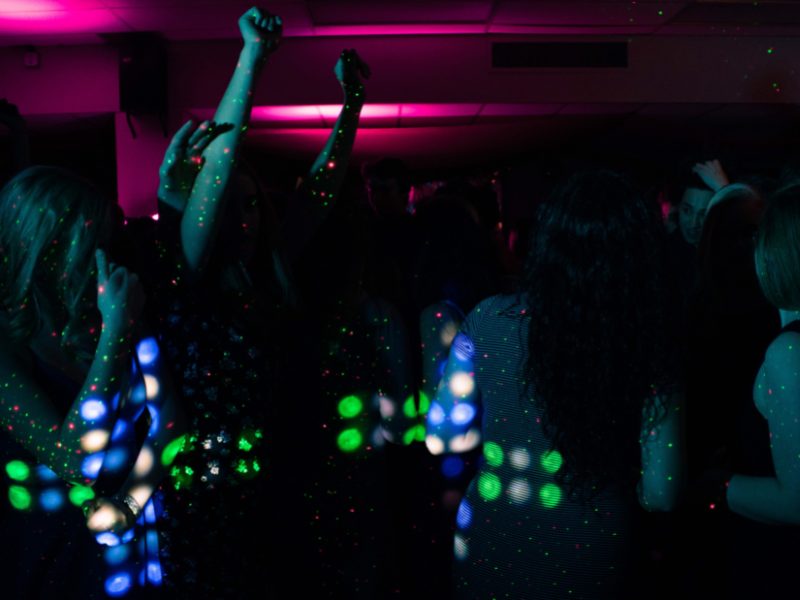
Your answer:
<point x="598" y="345"/>
<point x="455" y="260"/>
<point x="387" y="172"/>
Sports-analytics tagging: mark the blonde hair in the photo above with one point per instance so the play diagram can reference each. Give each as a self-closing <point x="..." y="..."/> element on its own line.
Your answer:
<point x="50" y="224"/>
<point x="777" y="254"/>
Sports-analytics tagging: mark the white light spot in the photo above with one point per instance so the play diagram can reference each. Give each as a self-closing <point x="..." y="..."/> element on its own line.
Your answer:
<point x="519" y="490"/>
<point x="460" y="547"/>
<point x="465" y="442"/>
<point x="435" y="444"/>
<point x="462" y="384"/>
<point x="519" y="458"/>
<point x="94" y="440"/>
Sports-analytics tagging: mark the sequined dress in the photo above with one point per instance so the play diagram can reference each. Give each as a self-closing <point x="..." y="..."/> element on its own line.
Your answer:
<point x="215" y="498"/>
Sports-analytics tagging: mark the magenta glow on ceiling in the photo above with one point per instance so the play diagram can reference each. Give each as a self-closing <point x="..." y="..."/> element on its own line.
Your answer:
<point x="323" y="116"/>
<point x="55" y="16"/>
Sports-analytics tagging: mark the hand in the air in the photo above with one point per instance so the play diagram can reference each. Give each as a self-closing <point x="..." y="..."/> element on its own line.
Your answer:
<point x="712" y="174"/>
<point x="261" y="30"/>
<point x="183" y="160"/>
<point x="120" y="295"/>
<point x="350" y="69"/>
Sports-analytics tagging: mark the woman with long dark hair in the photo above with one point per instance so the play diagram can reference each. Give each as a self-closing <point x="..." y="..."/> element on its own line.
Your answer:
<point x="569" y="387"/>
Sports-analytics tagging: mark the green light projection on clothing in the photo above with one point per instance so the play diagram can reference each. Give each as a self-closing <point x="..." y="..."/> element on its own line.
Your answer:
<point x="489" y="486"/>
<point x="171" y="450"/>
<point x="80" y="494"/>
<point x="414" y="434"/>
<point x="410" y="407"/>
<point x="349" y="440"/>
<point x="551" y="461"/>
<point x="493" y="454"/>
<point x="424" y="403"/>
<point x="550" y="495"/>
<point x="182" y="477"/>
<point x="350" y="407"/>
<point x="18" y="470"/>
<point x="19" y="497"/>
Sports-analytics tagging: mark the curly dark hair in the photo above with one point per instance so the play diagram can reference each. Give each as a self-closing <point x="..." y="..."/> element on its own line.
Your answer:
<point x="600" y="313"/>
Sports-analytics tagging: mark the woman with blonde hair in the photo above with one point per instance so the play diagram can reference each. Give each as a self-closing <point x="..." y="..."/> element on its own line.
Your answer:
<point x="68" y="392"/>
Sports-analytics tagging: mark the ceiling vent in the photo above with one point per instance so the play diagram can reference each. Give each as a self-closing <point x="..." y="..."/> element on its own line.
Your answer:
<point x="559" y="55"/>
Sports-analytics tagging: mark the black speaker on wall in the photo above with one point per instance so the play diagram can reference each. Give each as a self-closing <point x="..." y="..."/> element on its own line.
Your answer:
<point x="142" y="73"/>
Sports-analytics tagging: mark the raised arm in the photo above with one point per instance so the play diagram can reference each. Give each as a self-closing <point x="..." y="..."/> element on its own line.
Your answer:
<point x="321" y="186"/>
<point x="438" y="326"/>
<point x="712" y="174"/>
<point x="201" y="219"/>
<point x="775" y="499"/>
<point x="663" y="460"/>
<point x="31" y="417"/>
<point x="453" y="419"/>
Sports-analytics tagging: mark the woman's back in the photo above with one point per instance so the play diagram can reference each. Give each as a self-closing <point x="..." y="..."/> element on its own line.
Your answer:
<point x="519" y="533"/>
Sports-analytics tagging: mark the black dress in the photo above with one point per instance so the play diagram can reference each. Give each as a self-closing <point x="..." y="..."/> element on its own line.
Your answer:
<point x="218" y="509"/>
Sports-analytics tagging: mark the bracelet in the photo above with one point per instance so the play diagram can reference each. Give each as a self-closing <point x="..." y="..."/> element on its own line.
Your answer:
<point x="128" y="505"/>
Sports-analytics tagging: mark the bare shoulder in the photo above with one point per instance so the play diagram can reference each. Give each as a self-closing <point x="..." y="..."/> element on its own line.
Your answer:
<point x="780" y="373"/>
<point x="783" y="352"/>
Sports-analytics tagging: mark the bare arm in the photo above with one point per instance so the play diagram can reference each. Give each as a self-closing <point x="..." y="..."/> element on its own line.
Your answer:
<point x="438" y="326"/>
<point x="663" y="464"/>
<point x="453" y="419"/>
<point x="320" y="188"/>
<point x="163" y="442"/>
<point x="31" y="417"/>
<point x="201" y="219"/>
<point x="776" y="499"/>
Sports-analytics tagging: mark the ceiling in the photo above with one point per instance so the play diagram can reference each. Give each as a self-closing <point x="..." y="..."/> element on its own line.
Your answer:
<point x="42" y="22"/>
<point x="454" y="131"/>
